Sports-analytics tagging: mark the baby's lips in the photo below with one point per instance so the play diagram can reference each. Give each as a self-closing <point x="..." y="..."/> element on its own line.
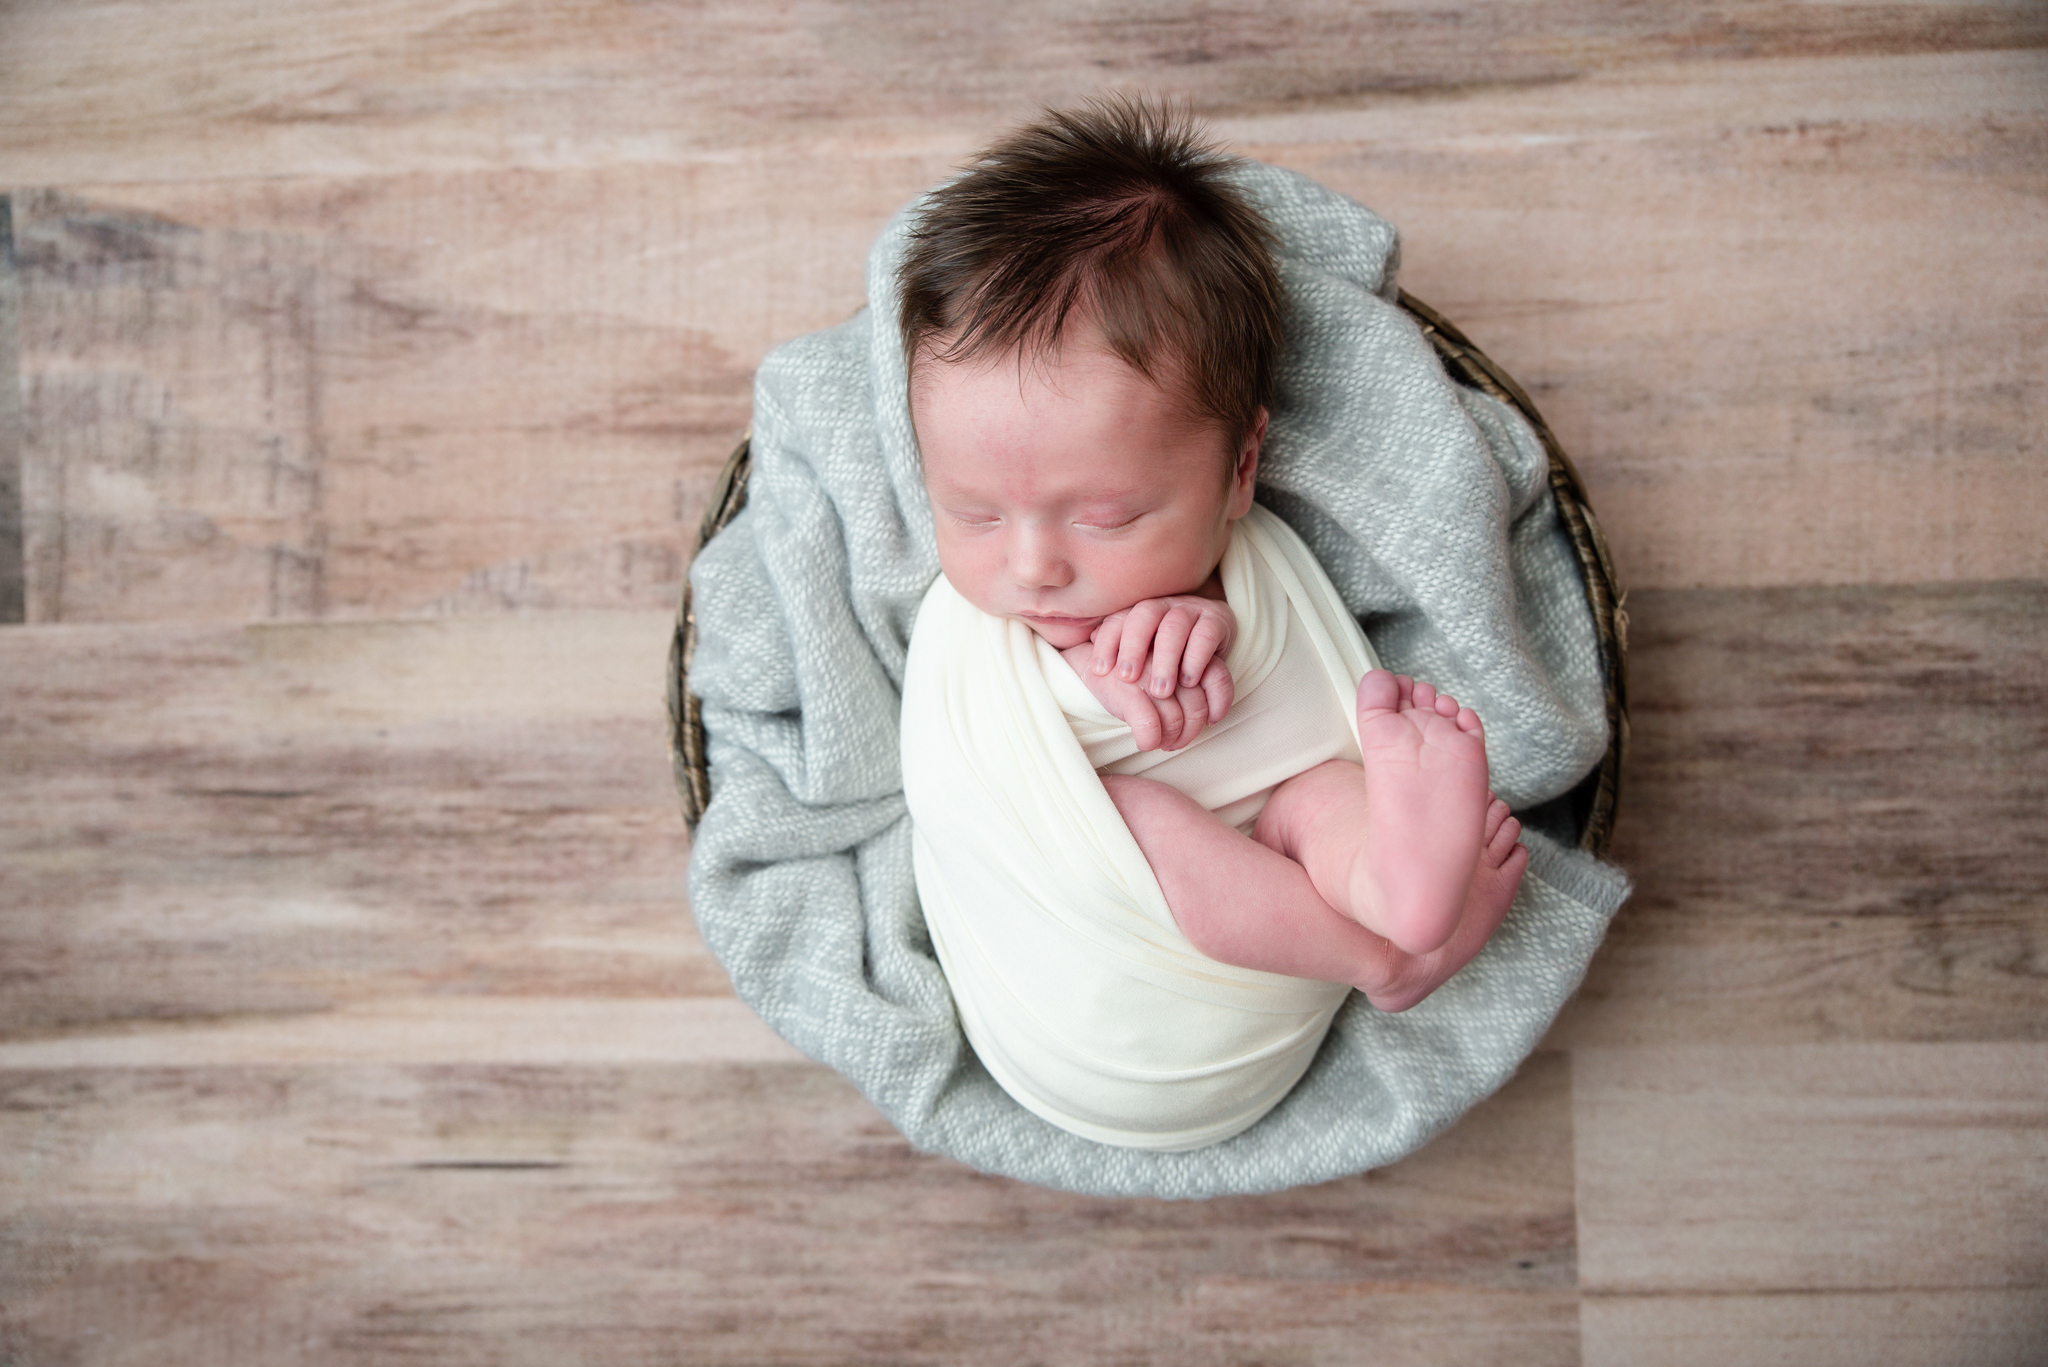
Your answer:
<point x="1053" y="619"/>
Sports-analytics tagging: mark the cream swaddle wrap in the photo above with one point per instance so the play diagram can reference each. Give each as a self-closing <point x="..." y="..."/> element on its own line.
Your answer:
<point x="1075" y="987"/>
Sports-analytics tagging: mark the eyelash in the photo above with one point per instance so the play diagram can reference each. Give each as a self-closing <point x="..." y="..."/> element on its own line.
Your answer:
<point x="968" y="520"/>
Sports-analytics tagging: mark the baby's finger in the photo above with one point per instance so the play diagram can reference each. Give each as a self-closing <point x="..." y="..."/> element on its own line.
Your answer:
<point x="1172" y="722"/>
<point x="1140" y="622"/>
<point x="1220" y="688"/>
<point x="1108" y="632"/>
<point x="1168" y="644"/>
<point x="1209" y="640"/>
<point x="1194" y="715"/>
<point x="1148" y="731"/>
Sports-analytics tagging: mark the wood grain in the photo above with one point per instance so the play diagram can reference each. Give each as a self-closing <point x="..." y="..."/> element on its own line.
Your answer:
<point x="721" y="1215"/>
<point x="1810" y="1204"/>
<point x="549" y="1032"/>
<point x="1830" y="815"/>
<point x="349" y="1006"/>
<point x="260" y="402"/>
<point x="1787" y="317"/>
<point x="13" y="579"/>
<point x="1843" y="1167"/>
<point x="205" y="822"/>
<point x="1972" y="1328"/>
<point x="1807" y="279"/>
<point x="97" y="91"/>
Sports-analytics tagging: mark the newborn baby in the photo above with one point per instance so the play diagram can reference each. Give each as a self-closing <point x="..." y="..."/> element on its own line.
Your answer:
<point x="1091" y="319"/>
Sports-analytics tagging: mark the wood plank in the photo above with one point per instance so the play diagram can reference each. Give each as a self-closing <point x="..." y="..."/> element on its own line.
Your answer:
<point x="248" y="401"/>
<point x="511" y="390"/>
<point x="98" y="91"/>
<point x="13" y="576"/>
<point x="1841" y="1167"/>
<point x="1788" y="318"/>
<point x="1975" y="1328"/>
<point x="207" y="822"/>
<point x="13" y="579"/>
<point x="1831" y="812"/>
<point x="1828" y="814"/>
<point x="547" y="1032"/>
<point x="737" y="1214"/>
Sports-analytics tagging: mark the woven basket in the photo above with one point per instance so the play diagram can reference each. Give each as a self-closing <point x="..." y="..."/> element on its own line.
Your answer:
<point x="1593" y="804"/>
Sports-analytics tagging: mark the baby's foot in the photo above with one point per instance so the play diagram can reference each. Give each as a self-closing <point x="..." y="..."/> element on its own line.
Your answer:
<point x="1425" y="787"/>
<point x="1407" y="979"/>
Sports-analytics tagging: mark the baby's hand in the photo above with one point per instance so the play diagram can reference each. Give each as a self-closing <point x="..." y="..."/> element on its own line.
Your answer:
<point x="1166" y="644"/>
<point x="1181" y="641"/>
<point x="1156" y="723"/>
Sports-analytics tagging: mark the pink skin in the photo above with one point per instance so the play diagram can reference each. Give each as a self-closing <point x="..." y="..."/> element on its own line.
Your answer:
<point x="1073" y="494"/>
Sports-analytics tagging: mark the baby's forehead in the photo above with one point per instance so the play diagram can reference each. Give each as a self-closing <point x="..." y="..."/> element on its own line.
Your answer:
<point x="1044" y="363"/>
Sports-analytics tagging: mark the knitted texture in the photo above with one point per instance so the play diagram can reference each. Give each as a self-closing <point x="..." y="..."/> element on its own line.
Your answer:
<point x="1428" y="504"/>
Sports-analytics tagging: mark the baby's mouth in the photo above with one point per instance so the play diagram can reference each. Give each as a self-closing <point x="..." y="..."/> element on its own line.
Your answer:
<point x="1064" y="632"/>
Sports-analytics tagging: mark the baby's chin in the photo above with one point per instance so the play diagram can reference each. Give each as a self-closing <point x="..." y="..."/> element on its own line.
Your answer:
<point x="1063" y="633"/>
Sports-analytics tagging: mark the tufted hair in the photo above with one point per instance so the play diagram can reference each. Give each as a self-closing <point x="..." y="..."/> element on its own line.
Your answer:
<point x="1114" y="213"/>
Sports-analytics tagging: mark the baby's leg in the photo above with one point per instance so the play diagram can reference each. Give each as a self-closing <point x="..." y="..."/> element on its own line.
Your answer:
<point x="1242" y="903"/>
<point x="1393" y="844"/>
<point x="1236" y="900"/>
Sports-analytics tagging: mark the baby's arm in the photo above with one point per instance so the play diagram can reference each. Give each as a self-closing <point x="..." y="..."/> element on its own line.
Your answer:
<point x="1180" y="641"/>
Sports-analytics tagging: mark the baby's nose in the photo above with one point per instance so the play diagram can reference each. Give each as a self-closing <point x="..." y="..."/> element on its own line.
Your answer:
<point x="1036" y="561"/>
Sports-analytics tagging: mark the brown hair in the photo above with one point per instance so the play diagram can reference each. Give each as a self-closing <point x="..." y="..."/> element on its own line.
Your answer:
<point x="1117" y="209"/>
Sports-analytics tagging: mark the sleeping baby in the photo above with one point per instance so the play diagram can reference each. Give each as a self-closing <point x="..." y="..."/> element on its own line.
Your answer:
<point x="1168" y="811"/>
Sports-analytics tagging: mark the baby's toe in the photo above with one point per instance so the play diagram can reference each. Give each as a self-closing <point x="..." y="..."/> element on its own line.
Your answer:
<point x="1496" y="813"/>
<point x="1378" y="691"/>
<point x="1501" y="843"/>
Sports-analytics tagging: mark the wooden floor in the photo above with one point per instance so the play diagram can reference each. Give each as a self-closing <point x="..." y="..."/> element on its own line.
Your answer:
<point x="374" y="362"/>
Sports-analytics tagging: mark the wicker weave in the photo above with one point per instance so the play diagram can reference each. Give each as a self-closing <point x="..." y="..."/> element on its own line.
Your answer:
<point x="1594" y="802"/>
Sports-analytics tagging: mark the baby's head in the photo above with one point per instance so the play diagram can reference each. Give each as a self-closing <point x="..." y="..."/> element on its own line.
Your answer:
<point x="1091" y="319"/>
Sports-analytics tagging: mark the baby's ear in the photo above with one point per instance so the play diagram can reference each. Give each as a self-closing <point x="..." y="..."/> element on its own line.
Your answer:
<point x="1246" y="475"/>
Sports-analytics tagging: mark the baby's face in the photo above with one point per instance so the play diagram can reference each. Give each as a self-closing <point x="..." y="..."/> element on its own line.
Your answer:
<point x="1069" y="487"/>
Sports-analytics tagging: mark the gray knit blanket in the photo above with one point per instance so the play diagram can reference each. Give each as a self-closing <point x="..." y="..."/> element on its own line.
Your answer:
<point x="1430" y="507"/>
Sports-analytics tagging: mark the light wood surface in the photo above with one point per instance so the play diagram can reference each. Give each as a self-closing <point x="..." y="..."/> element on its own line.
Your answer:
<point x="363" y="371"/>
